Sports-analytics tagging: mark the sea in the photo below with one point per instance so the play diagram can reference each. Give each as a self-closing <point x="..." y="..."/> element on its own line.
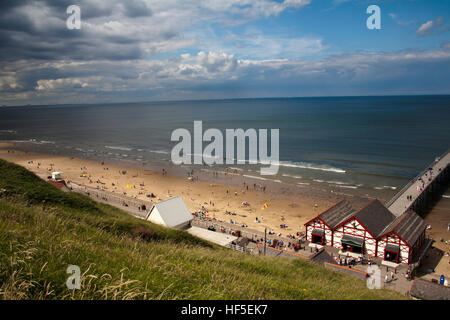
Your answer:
<point x="346" y="143"/>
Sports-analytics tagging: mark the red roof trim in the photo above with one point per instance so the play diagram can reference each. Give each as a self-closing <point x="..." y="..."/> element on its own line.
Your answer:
<point x="333" y="206"/>
<point x="365" y="227"/>
<point x="354" y="217"/>
<point x="350" y="219"/>
<point x="395" y="232"/>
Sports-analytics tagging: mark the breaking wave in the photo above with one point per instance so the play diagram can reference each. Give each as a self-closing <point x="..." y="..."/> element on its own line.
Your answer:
<point x="305" y="165"/>
<point x="254" y="177"/>
<point x="118" y="148"/>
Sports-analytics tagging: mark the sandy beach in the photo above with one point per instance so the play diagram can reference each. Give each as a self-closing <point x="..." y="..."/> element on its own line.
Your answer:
<point x="439" y="257"/>
<point x="292" y="207"/>
<point x="295" y="207"/>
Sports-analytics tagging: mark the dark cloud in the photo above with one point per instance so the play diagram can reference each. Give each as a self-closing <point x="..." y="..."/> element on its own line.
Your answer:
<point x="37" y="30"/>
<point x="112" y="56"/>
<point x="137" y="8"/>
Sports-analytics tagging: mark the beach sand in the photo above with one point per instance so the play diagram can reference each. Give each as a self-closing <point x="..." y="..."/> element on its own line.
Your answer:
<point x="439" y="257"/>
<point x="296" y="205"/>
<point x="296" y="208"/>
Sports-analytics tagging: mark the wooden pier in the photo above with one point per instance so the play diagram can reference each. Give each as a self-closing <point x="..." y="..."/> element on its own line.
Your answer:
<point x="419" y="193"/>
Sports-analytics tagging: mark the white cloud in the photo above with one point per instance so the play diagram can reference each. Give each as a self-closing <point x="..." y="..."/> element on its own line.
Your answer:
<point x="112" y="57"/>
<point x="191" y="76"/>
<point x="428" y="27"/>
<point x="425" y="28"/>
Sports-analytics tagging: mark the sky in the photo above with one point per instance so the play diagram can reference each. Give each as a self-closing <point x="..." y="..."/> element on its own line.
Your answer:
<point x="151" y="50"/>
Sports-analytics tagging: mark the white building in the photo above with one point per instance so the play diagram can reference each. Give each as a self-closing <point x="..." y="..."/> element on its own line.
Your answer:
<point x="56" y="176"/>
<point x="172" y="213"/>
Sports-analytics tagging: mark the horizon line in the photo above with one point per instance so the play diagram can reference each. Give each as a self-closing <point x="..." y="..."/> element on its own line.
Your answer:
<point x="224" y="99"/>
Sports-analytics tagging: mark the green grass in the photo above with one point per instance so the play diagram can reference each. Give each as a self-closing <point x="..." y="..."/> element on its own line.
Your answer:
<point x="44" y="230"/>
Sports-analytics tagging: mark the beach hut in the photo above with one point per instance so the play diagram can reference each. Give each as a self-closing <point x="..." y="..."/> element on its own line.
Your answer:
<point x="56" y="176"/>
<point x="171" y="213"/>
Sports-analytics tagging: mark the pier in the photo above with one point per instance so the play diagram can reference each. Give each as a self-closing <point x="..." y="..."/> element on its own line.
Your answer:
<point x="419" y="193"/>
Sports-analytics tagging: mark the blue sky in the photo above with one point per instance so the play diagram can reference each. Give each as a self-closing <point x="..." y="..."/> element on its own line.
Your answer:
<point x="341" y="26"/>
<point x="142" y="50"/>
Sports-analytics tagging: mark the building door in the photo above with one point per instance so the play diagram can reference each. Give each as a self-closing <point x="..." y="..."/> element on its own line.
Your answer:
<point x="352" y="244"/>
<point x="355" y="249"/>
<point x="317" y="239"/>
<point x="392" y="253"/>
<point x="391" y="256"/>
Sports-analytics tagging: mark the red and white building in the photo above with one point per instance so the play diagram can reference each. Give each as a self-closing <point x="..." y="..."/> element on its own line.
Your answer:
<point x="402" y="240"/>
<point x="372" y="231"/>
<point x="320" y="230"/>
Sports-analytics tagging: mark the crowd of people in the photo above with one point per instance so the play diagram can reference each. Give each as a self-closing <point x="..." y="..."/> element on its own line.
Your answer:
<point x="351" y="261"/>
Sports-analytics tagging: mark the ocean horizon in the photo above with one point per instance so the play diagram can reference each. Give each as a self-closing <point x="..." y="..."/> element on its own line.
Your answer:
<point x="348" y="143"/>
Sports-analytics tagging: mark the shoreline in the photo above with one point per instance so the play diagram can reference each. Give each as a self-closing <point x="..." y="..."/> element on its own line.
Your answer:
<point x="301" y="175"/>
<point x="226" y="194"/>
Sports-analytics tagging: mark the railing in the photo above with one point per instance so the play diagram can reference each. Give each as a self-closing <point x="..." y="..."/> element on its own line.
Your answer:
<point x="114" y="199"/>
<point x="403" y="190"/>
<point x="250" y="234"/>
<point x="240" y="248"/>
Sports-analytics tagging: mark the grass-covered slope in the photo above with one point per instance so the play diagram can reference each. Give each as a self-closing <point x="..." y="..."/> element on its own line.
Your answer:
<point x="44" y="230"/>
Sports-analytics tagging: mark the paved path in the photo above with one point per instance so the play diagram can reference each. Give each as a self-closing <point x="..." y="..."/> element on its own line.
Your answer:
<point x="131" y="205"/>
<point x="399" y="204"/>
<point x="250" y="234"/>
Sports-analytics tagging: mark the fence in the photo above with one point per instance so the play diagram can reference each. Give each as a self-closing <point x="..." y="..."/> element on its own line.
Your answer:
<point x="403" y="190"/>
<point x="251" y="234"/>
<point x="240" y="248"/>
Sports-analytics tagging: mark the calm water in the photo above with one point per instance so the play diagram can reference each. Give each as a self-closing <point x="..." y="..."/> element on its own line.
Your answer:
<point x="355" y="142"/>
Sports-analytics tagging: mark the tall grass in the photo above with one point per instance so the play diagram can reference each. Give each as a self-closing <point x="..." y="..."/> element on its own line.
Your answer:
<point x="44" y="230"/>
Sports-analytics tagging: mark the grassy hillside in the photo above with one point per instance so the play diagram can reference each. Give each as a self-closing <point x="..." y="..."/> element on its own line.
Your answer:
<point x="44" y="230"/>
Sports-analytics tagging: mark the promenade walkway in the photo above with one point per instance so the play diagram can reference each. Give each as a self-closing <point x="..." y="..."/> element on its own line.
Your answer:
<point x="131" y="205"/>
<point x="251" y="234"/>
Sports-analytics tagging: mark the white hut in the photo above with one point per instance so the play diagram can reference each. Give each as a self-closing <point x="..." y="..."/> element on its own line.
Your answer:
<point x="171" y="213"/>
<point x="56" y="176"/>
